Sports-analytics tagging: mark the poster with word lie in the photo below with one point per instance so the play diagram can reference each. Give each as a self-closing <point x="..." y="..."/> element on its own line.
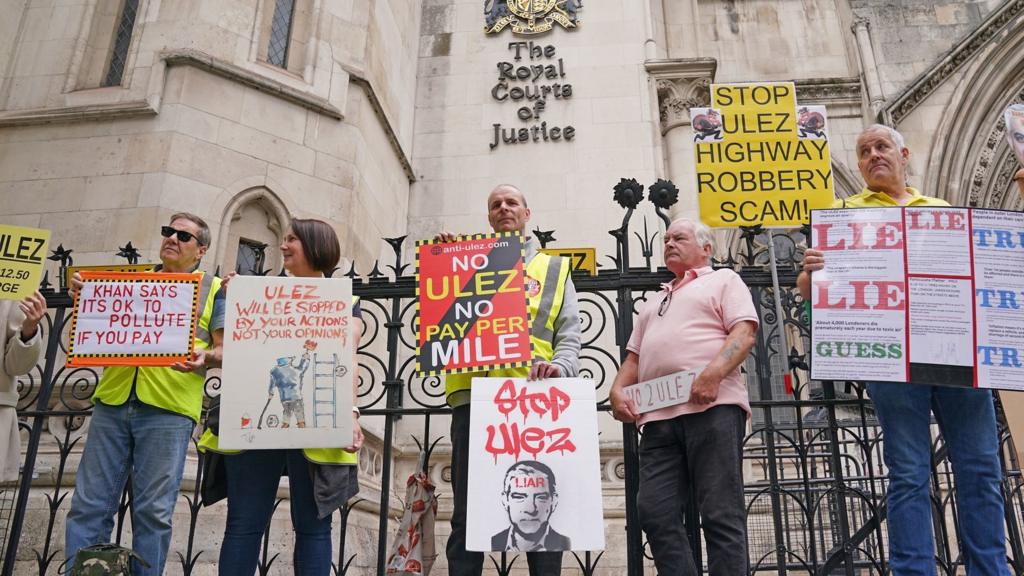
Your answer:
<point x="534" y="466"/>
<point x="472" y="305"/>
<point x="288" y="363"/>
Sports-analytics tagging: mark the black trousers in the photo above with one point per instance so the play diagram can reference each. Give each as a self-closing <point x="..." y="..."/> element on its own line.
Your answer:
<point x="462" y="562"/>
<point x="701" y="453"/>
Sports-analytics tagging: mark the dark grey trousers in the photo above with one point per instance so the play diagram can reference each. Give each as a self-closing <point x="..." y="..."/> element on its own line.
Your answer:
<point x="701" y="453"/>
<point x="462" y="562"/>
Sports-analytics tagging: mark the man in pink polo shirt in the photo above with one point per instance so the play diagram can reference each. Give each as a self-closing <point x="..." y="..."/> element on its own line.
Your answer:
<point x="704" y="318"/>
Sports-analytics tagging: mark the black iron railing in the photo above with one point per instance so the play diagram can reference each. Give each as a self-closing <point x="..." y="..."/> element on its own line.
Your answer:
<point x="815" y="483"/>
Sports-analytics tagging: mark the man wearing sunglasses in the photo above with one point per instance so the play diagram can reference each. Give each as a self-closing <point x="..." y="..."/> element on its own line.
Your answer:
<point x="142" y="421"/>
<point x="704" y="318"/>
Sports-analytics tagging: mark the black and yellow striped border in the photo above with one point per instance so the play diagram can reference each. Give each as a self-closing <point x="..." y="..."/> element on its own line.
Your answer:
<point x="416" y="320"/>
<point x="71" y="355"/>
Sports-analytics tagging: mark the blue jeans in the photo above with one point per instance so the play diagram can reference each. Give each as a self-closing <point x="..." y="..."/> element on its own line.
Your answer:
<point x="967" y="420"/>
<point x="253" y="477"/>
<point x="147" y="443"/>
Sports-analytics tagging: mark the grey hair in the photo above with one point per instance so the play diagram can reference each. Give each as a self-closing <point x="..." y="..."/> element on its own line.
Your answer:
<point x="203" y="237"/>
<point x="893" y="133"/>
<point x="701" y="232"/>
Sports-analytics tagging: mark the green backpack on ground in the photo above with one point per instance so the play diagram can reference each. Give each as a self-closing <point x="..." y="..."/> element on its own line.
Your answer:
<point x="105" y="560"/>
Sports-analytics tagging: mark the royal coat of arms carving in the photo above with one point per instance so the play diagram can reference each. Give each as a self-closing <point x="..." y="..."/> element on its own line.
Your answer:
<point x="530" y="16"/>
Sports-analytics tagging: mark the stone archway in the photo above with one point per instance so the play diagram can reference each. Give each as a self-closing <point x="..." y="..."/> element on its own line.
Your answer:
<point x="253" y="217"/>
<point x="971" y="162"/>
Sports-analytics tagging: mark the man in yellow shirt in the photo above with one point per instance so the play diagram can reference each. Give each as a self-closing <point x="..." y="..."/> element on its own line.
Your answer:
<point x="966" y="416"/>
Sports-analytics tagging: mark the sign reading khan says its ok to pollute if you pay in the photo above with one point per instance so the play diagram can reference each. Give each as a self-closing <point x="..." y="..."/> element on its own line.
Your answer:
<point x="760" y="158"/>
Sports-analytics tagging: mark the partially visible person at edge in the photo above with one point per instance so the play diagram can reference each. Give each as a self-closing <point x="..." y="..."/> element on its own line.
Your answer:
<point x="320" y="480"/>
<point x="555" y="335"/>
<point x="966" y="416"/>
<point x="703" y="320"/>
<point x="21" y="343"/>
<point x="142" y="420"/>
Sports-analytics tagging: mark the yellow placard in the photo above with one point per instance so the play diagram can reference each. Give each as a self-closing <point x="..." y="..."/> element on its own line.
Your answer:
<point x="582" y="259"/>
<point x="22" y="255"/>
<point x="71" y="270"/>
<point x="761" y="159"/>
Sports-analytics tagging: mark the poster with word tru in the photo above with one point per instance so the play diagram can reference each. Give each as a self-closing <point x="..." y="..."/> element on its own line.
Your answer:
<point x="534" y="466"/>
<point x="288" y="363"/>
<point x="133" y="319"/>
<point x="472" y="305"/>
<point x="929" y="295"/>
<point x="761" y="159"/>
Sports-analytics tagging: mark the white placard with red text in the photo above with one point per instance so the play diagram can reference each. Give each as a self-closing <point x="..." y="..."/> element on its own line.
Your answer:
<point x="929" y="295"/>
<point x="534" y="465"/>
<point x="288" y="363"/>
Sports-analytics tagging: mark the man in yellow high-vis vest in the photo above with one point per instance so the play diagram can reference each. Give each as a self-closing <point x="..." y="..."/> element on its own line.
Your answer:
<point x="555" y="335"/>
<point x="142" y="421"/>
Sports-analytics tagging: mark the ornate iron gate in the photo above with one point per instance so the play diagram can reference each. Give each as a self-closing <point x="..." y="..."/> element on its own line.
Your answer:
<point x="814" y="480"/>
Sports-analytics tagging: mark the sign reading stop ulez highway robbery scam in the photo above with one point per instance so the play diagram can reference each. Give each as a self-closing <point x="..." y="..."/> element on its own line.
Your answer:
<point x="472" y="305"/>
<point x="760" y="158"/>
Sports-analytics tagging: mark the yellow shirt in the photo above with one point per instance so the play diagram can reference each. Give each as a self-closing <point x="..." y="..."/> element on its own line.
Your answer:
<point x="870" y="199"/>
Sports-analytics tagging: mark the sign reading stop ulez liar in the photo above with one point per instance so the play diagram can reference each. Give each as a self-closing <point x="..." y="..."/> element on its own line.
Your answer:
<point x="472" y="305"/>
<point x="756" y="164"/>
<point x="133" y="319"/>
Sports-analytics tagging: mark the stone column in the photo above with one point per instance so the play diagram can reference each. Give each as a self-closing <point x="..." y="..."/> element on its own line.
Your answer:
<point x="868" y="66"/>
<point x="682" y="83"/>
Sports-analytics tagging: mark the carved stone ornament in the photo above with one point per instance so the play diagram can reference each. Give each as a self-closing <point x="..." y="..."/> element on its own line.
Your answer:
<point x="529" y="17"/>
<point x="898" y="108"/>
<point x="681" y="84"/>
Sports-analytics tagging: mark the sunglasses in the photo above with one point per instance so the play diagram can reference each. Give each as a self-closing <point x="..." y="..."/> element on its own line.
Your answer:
<point x="183" y="236"/>
<point x="663" y="307"/>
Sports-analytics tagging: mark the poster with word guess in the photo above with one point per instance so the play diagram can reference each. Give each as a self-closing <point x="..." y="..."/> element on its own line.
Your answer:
<point x="928" y="295"/>
<point x="133" y="319"/>
<point x="762" y="159"/>
<point x="534" y="466"/>
<point x="472" y="305"/>
<point x="22" y="255"/>
<point x="288" y="363"/>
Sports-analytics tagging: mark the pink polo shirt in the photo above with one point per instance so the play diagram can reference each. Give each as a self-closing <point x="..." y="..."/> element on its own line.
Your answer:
<point x="705" y="305"/>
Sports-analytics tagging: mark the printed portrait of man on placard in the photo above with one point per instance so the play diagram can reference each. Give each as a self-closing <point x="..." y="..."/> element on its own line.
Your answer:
<point x="529" y="497"/>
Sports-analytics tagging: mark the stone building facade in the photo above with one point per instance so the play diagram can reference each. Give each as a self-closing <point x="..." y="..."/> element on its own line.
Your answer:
<point x="396" y="117"/>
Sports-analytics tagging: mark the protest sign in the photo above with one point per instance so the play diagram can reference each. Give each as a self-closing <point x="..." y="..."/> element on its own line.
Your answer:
<point x="760" y="159"/>
<point x="582" y="259"/>
<point x="472" y="305"/>
<point x="22" y="255"/>
<point x="133" y="319"/>
<point x="662" y="392"/>
<point x="70" y="271"/>
<point x="926" y="295"/>
<point x="534" y="466"/>
<point x="1013" y="116"/>
<point x="288" y="363"/>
